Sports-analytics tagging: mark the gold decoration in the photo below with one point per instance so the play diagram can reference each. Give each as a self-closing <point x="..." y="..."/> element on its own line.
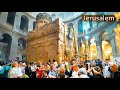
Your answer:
<point x="117" y="15"/>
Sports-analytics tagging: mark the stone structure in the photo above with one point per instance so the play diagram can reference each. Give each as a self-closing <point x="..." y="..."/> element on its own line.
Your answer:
<point x="49" y="40"/>
<point x="13" y="30"/>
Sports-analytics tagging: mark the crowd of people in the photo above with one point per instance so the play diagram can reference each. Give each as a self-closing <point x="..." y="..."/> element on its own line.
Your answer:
<point x="73" y="69"/>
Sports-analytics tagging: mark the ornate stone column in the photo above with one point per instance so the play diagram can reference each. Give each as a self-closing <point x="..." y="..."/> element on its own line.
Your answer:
<point x="99" y="50"/>
<point x="113" y="45"/>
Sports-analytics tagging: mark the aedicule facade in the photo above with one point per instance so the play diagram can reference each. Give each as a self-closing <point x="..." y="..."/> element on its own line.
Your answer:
<point x="48" y="40"/>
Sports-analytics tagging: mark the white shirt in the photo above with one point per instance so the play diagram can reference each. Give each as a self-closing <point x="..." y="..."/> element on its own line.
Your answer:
<point x="20" y="71"/>
<point x="75" y="74"/>
<point x="33" y="68"/>
<point x="63" y="65"/>
<point x="106" y="72"/>
<point x="15" y="72"/>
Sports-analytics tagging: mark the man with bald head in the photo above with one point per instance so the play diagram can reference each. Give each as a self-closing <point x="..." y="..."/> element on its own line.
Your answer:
<point x="115" y="73"/>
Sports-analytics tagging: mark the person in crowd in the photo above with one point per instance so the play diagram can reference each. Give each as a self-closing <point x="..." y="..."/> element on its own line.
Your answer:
<point x="73" y="62"/>
<point x="55" y="66"/>
<point x="55" y="63"/>
<point x="23" y="68"/>
<point x="83" y="73"/>
<point x="99" y="63"/>
<point x="89" y="71"/>
<point x="6" y="70"/>
<point x="49" y="62"/>
<point x="47" y="67"/>
<point x="88" y="64"/>
<point x="63" y="64"/>
<point x="33" y="69"/>
<point x="67" y="70"/>
<point x="39" y="63"/>
<point x="75" y="71"/>
<point x="115" y="73"/>
<point x="28" y="70"/>
<point x="62" y="73"/>
<point x="20" y="63"/>
<point x="39" y="71"/>
<point x="92" y="72"/>
<point x="106" y="72"/>
<point x="97" y="72"/>
<point x="45" y="74"/>
<point x="14" y="71"/>
<point x="52" y="72"/>
<point x="20" y="69"/>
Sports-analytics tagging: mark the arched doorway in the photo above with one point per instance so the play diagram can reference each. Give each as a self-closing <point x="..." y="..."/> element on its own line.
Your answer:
<point x="24" y="23"/>
<point x="21" y="49"/>
<point x="11" y="18"/>
<point x="106" y="47"/>
<point x="5" y="46"/>
<point x="93" y="49"/>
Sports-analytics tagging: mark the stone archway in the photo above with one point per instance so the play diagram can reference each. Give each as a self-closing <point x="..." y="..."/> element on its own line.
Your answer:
<point x="24" y="23"/>
<point x="5" y="46"/>
<point x="11" y="18"/>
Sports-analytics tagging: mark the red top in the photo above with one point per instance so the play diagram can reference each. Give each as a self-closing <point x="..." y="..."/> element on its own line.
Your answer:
<point x="40" y="73"/>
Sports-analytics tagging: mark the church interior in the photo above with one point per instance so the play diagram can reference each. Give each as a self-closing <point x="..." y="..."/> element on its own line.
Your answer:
<point x="43" y="36"/>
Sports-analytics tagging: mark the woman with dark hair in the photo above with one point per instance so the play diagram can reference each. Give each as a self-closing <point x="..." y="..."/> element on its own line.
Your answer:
<point x="33" y="69"/>
<point x="28" y="70"/>
<point x="96" y="72"/>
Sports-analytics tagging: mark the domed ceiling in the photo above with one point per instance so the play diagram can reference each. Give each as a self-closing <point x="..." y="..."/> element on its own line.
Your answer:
<point x="64" y="16"/>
